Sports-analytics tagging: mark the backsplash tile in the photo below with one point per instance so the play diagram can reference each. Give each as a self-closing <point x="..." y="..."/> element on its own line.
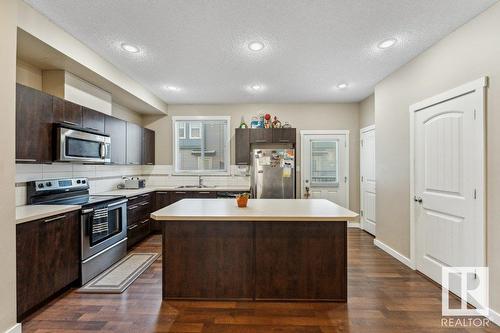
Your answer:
<point x="103" y="178"/>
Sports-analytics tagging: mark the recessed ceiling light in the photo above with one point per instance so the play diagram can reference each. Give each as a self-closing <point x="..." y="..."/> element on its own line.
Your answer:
<point x="342" y="85"/>
<point x="256" y="87"/>
<point x="387" y="43"/>
<point x="256" y="46"/>
<point x="172" y="88"/>
<point x="130" y="48"/>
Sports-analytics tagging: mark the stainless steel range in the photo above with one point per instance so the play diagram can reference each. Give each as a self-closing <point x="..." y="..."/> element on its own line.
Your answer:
<point x="103" y="220"/>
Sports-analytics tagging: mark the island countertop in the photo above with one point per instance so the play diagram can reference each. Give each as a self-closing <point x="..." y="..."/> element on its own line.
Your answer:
<point x="304" y="210"/>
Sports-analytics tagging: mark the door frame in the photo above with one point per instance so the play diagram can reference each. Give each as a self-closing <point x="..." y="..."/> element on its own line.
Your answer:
<point x="477" y="86"/>
<point x="361" y="218"/>
<point x="346" y="164"/>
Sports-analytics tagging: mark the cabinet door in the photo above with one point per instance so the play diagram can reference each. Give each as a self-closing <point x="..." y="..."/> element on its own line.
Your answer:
<point x="242" y="146"/>
<point x="33" y="125"/>
<point x="179" y="195"/>
<point x="205" y="194"/>
<point x="162" y="200"/>
<point x="134" y="144"/>
<point x="261" y="135"/>
<point x="148" y="146"/>
<point x="66" y="112"/>
<point x="47" y="253"/>
<point x="284" y="135"/>
<point x="117" y="131"/>
<point x="93" y="120"/>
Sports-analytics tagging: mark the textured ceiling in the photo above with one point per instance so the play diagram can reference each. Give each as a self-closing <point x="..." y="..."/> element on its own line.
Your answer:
<point x="200" y="46"/>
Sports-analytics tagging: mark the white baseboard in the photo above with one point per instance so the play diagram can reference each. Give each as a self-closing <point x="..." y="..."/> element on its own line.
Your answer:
<point x="353" y="225"/>
<point x="394" y="253"/>
<point x="17" y="328"/>
<point x="494" y="317"/>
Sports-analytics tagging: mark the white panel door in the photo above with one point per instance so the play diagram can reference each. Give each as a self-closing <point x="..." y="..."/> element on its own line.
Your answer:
<point x="324" y="167"/>
<point x="445" y="174"/>
<point x="367" y="173"/>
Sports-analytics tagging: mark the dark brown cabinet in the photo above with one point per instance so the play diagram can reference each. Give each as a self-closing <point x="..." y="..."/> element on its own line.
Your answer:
<point x="92" y="120"/>
<point x="162" y="199"/>
<point x="178" y="195"/>
<point x="242" y="146"/>
<point x="117" y="131"/>
<point x="33" y="125"/>
<point x="134" y="144"/>
<point x="148" y="147"/>
<point x="203" y="194"/>
<point x="261" y="135"/>
<point x="138" y="221"/>
<point x="66" y="112"/>
<point x="284" y="135"/>
<point x="47" y="253"/>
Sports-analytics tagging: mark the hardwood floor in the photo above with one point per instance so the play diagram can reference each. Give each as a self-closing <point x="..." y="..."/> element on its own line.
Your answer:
<point x="383" y="296"/>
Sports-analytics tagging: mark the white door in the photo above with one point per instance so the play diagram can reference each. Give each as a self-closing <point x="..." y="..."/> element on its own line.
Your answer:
<point x="325" y="165"/>
<point x="367" y="173"/>
<point x="448" y="168"/>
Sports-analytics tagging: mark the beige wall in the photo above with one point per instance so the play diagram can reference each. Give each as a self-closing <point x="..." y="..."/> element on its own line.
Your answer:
<point x="468" y="53"/>
<point x="8" y="30"/>
<point x="367" y="111"/>
<point x="29" y="75"/>
<point x="301" y="116"/>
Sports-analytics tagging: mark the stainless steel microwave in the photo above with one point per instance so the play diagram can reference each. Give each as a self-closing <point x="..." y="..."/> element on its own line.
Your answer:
<point x="77" y="145"/>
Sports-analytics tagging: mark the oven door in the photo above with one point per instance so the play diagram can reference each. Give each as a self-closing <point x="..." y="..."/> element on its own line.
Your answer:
<point x="76" y="145"/>
<point x="103" y="226"/>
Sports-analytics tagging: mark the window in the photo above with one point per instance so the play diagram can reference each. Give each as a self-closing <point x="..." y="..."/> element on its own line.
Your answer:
<point x="182" y="130"/>
<point x="324" y="157"/>
<point x="195" y="130"/>
<point x="201" y="145"/>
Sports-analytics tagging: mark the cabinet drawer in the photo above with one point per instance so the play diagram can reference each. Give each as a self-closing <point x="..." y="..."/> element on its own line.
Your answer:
<point x="205" y="194"/>
<point x="137" y="232"/>
<point x="261" y="135"/>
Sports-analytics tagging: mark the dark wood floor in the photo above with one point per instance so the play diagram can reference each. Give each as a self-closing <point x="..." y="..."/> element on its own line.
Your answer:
<point x="384" y="296"/>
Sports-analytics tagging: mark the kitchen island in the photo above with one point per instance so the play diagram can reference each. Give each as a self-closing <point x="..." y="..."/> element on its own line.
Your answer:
<point x="274" y="249"/>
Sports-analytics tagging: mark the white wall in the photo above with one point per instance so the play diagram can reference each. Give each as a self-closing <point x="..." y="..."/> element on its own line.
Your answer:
<point x="468" y="53"/>
<point x="8" y="30"/>
<point x="301" y="116"/>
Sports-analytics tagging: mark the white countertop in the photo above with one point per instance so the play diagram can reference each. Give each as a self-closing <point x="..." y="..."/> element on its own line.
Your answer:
<point x="28" y="213"/>
<point x="35" y="212"/>
<point x="133" y="192"/>
<point x="257" y="210"/>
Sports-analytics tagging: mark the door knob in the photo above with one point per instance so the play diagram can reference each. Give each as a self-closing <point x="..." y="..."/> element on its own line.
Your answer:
<point x="417" y="199"/>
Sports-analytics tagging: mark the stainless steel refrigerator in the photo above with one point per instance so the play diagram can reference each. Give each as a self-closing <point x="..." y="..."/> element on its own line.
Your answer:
<point x="273" y="173"/>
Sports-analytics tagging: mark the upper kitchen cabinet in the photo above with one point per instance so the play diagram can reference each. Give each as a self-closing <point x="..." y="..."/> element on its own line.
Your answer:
<point x="117" y="131"/>
<point x="148" y="146"/>
<point x="33" y="125"/>
<point x="242" y="146"/>
<point x="261" y="135"/>
<point x="66" y="112"/>
<point x="93" y="120"/>
<point x="284" y="135"/>
<point x="134" y="144"/>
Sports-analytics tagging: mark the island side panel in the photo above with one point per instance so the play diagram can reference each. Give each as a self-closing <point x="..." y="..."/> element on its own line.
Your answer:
<point x="301" y="261"/>
<point x="208" y="260"/>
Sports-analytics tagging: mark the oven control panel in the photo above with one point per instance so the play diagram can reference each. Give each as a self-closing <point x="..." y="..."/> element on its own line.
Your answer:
<point x="61" y="184"/>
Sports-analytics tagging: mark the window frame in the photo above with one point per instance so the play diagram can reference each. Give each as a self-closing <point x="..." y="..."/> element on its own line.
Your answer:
<point x="198" y="127"/>
<point x="184" y="130"/>
<point x="227" y="148"/>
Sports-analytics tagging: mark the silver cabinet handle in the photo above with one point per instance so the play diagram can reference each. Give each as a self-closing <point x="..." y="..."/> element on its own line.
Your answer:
<point x="162" y="192"/>
<point x="54" y="219"/>
<point x="283" y="140"/>
<point x="260" y="141"/>
<point x="132" y="207"/>
<point x="71" y="123"/>
<point x="132" y="198"/>
<point x="145" y="195"/>
<point x="132" y="227"/>
<point x="204" y="192"/>
<point x="145" y="221"/>
<point x="87" y="211"/>
<point x="144" y="203"/>
<point x="92" y="129"/>
<point x="180" y="192"/>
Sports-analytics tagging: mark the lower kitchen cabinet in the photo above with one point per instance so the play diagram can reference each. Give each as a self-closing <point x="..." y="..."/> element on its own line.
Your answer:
<point x="48" y="259"/>
<point x="138" y="222"/>
<point x="162" y="199"/>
